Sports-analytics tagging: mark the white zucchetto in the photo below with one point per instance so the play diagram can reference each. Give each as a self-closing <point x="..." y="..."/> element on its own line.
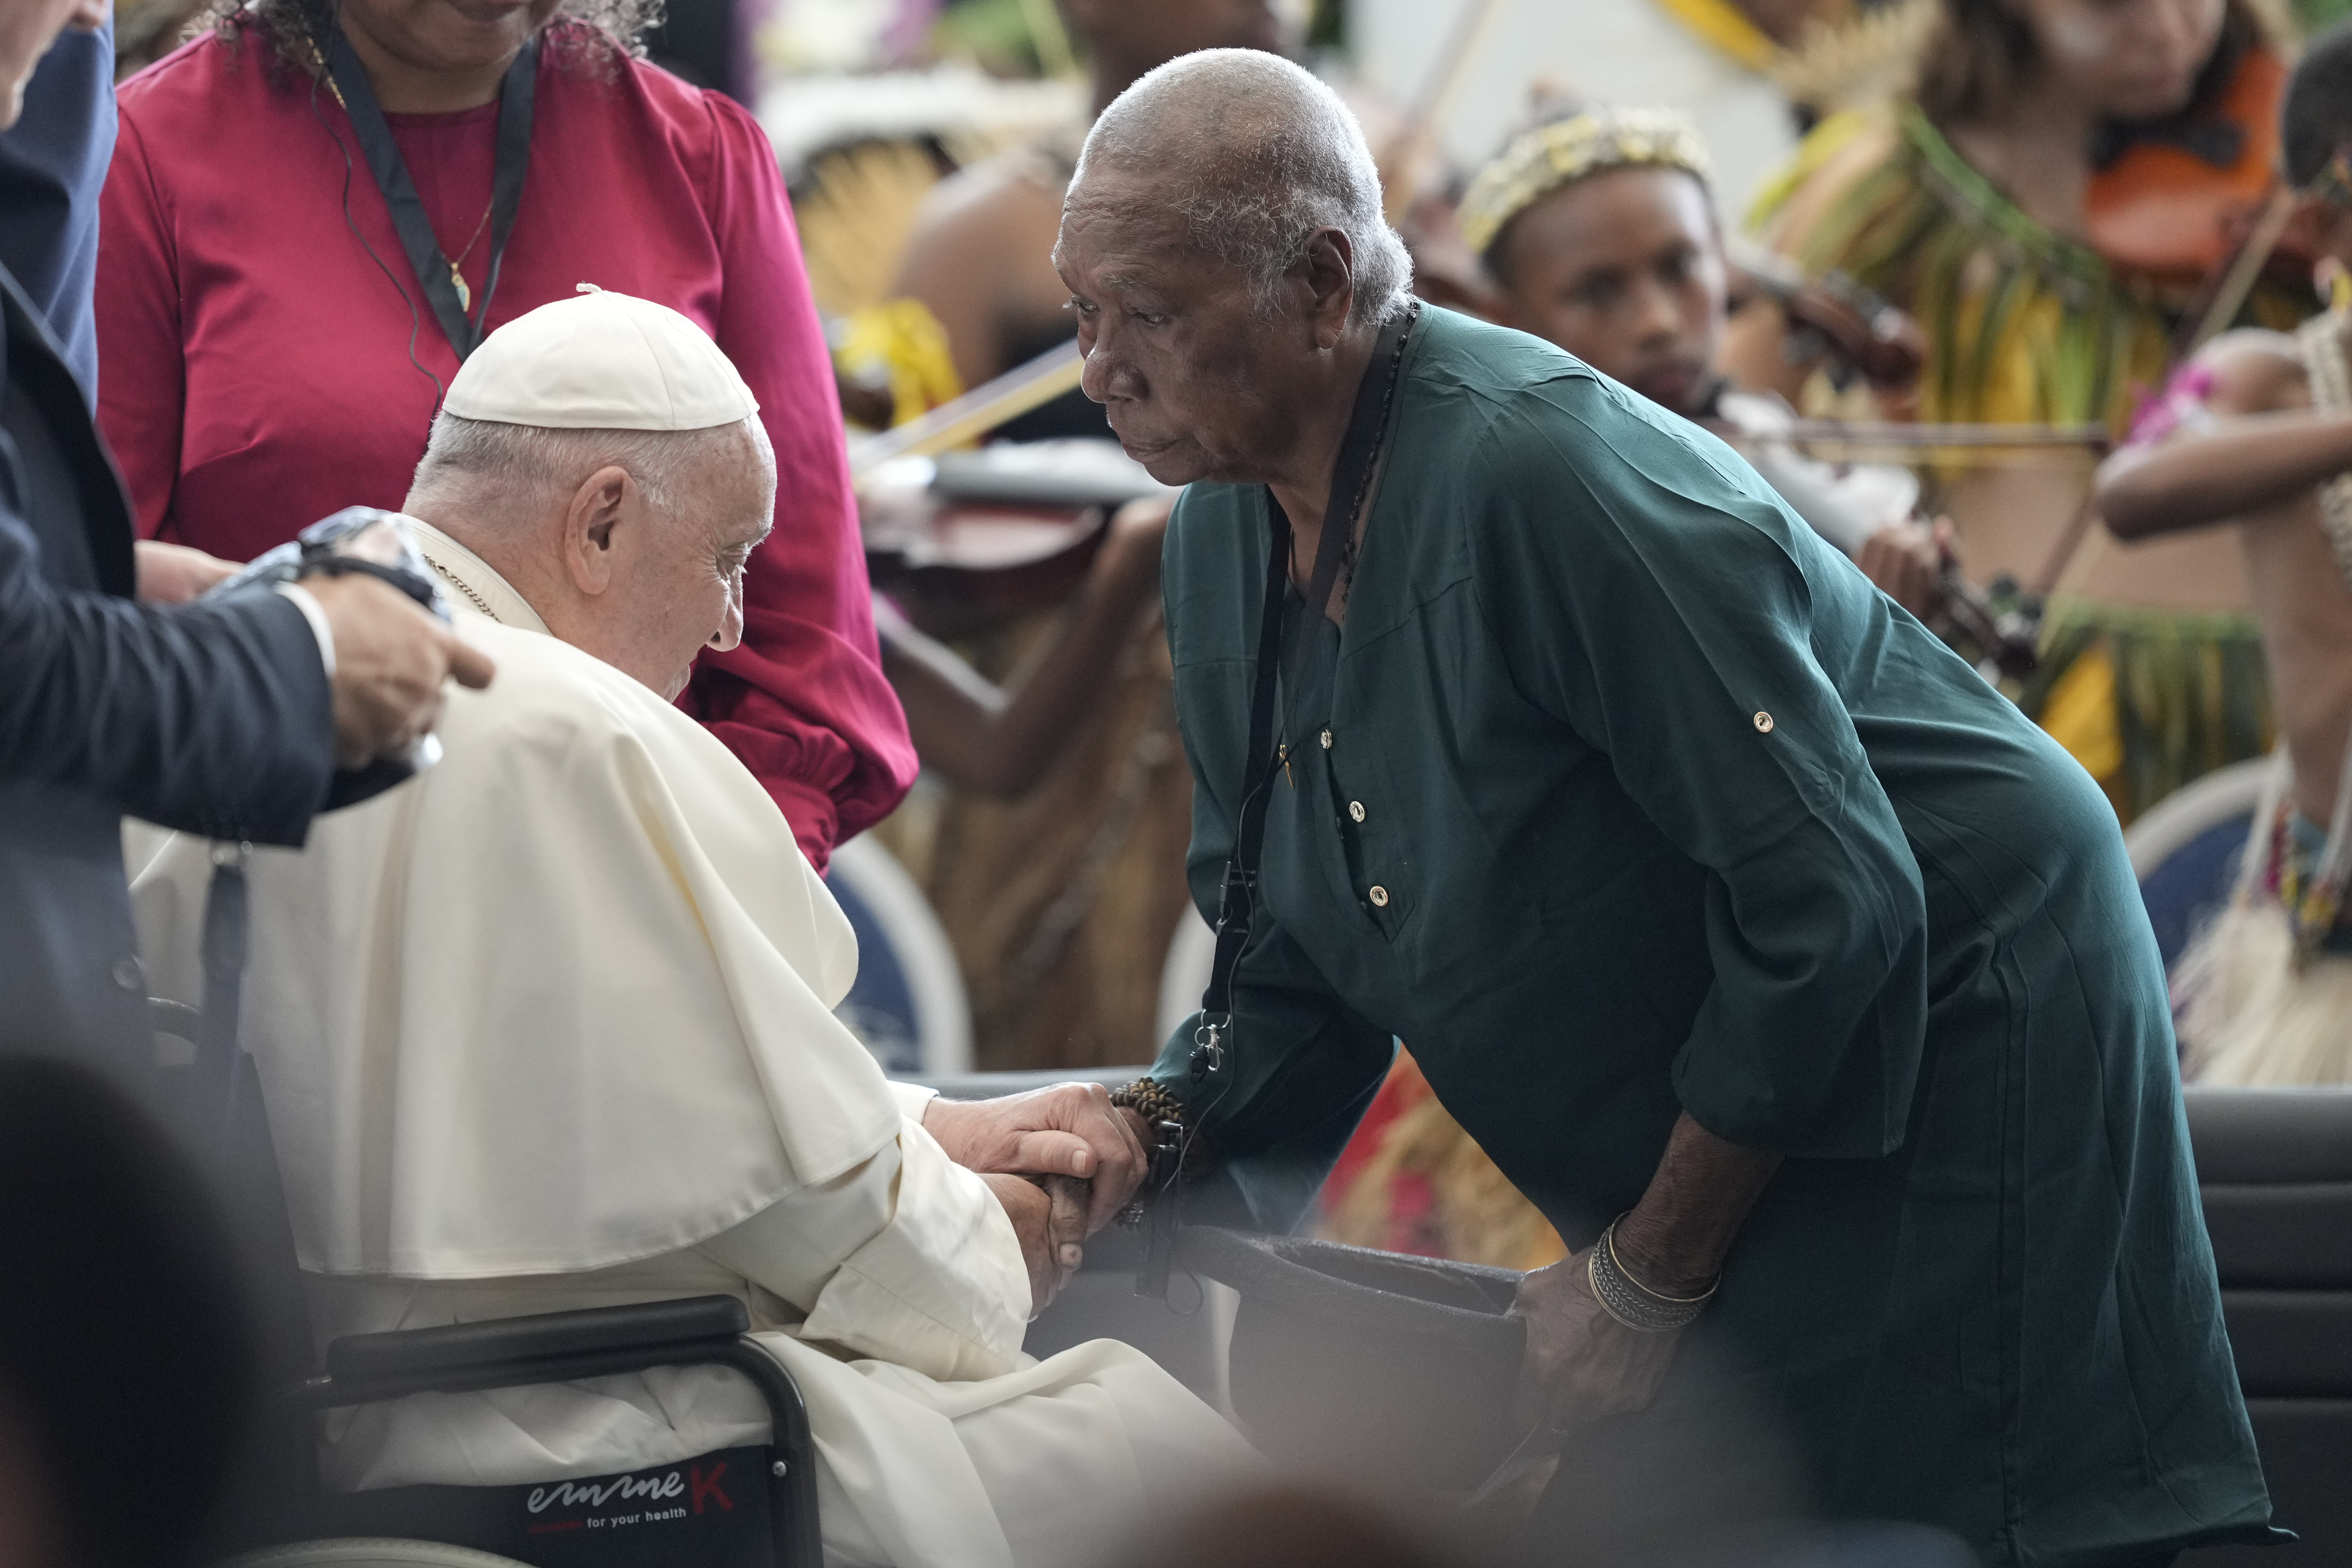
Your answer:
<point x="601" y="361"/>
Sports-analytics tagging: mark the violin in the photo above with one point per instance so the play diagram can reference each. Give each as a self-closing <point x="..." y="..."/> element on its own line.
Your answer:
<point x="1853" y="331"/>
<point x="2183" y="196"/>
<point x="966" y="539"/>
<point x="970" y="538"/>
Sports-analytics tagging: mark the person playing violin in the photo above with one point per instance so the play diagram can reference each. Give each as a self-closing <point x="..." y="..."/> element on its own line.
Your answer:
<point x="2256" y="432"/>
<point x="2045" y="203"/>
<point x="1600" y="235"/>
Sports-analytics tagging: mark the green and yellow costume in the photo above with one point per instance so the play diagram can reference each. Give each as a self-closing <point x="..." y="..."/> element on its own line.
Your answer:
<point x="2027" y="327"/>
<point x="1622" y="795"/>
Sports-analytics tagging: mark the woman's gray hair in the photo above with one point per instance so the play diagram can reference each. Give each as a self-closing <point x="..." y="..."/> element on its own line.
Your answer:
<point x="1261" y="155"/>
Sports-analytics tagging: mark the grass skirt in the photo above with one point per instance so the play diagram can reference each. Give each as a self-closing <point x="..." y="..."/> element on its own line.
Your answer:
<point x="2248" y="1015"/>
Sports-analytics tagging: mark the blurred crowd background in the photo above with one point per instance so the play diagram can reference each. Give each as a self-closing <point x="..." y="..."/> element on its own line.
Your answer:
<point x="1955" y="253"/>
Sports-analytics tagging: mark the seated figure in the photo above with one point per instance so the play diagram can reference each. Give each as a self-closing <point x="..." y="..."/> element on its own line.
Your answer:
<point x="550" y="1028"/>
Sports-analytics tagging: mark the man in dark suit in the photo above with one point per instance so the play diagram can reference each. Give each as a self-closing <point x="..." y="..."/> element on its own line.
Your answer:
<point x="227" y="719"/>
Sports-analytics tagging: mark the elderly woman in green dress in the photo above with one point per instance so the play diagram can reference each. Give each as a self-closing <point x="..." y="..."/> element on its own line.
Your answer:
<point x="1799" y="979"/>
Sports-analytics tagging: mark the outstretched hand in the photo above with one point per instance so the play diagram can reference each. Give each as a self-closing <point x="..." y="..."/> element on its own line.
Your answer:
<point x="1068" y="1130"/>
<point x="391" y="659"/>
<point x="176" y="573"/>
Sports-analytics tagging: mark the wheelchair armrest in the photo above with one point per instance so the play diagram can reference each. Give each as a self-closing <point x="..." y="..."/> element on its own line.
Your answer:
<point x="513" y="1351"/>
<point x="565" y="1347"/>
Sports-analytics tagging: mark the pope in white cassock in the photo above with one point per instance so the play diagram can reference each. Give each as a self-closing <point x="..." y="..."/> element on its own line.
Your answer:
<point x="550" y="1027"/>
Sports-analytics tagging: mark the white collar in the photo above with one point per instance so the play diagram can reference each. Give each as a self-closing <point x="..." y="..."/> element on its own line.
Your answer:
<point x="479" y="589"/>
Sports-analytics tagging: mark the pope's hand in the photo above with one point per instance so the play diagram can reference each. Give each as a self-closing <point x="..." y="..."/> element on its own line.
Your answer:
<point x="1581" y="1363"/>
<point x="175" y="573"/>
<point x="391" y="657"/>
<point x="1048" y="1216"/>
<point x="1068" y="1129"/>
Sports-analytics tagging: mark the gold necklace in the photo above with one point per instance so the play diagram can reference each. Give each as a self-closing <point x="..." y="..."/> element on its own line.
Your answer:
<point x="463" y="587"/>
<point x="465" y="295"/>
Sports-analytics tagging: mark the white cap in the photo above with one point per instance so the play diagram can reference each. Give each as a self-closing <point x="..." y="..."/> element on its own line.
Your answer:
<point x="601" y="361"/>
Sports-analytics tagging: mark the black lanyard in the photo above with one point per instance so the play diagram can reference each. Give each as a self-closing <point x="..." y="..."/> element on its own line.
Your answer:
<point x="399" y="191"/>
<point x="1236" y="906"/>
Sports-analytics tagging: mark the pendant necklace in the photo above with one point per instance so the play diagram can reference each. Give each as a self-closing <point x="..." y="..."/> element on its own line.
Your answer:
<point x="457" y="278"/>
<point x="452" y="302"/>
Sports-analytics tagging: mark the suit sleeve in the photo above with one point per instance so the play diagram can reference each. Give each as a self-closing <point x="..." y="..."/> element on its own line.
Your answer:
<point x="212" y="718"/>
<point x="52" y="163"/>
<point x="802" y="700"/>
<point x="1648" y="591"/>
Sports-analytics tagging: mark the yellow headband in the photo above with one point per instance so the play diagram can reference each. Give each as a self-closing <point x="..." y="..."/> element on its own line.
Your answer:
<point x="1566" y="150"/>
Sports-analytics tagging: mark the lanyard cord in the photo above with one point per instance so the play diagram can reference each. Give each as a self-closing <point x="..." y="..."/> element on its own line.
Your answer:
<point x="432" y="267"/>
<point x="1236" y="908"/>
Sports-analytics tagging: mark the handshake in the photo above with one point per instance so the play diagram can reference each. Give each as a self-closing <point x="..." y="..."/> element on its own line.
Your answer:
<point x="1063" y="1161"/>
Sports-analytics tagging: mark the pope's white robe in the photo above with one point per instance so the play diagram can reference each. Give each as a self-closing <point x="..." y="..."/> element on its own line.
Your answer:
<point x="550" y="1027"/>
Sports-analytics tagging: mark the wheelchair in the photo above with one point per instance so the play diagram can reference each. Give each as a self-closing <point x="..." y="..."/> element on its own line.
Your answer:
<point x="751" y="1507"/>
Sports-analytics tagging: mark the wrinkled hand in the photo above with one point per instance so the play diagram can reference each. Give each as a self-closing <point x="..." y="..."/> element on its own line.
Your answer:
<point x="1906" y="561"/>
<point x="1581" y="1364"/>
<point x="1048" y="1216"/>
<point x="391" y="657"/>
<point x="176" y="573"/>
<point x="1068" y="1130"/>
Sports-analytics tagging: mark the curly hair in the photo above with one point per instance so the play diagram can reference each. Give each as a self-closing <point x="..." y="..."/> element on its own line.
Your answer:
<point x="588" y="36"/>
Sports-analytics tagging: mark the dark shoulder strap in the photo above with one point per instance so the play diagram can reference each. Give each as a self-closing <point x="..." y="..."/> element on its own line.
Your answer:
<point x="1237" y="901"/>
<point x="516" y="96"/>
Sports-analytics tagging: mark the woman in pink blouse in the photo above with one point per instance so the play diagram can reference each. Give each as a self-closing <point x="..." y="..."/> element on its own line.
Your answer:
<point x="268" y="352"/>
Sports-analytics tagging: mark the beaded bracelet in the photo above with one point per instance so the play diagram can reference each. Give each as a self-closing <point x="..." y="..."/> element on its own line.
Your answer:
<point x="1148" y="1098"/>
<point x="1630" y="1302"/>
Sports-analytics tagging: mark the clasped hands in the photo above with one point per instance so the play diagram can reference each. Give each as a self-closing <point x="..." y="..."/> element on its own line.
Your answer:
<point x="1063" y="1161"/>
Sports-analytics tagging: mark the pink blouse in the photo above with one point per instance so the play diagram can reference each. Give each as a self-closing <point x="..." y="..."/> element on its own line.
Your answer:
<point x="268" y="357"/>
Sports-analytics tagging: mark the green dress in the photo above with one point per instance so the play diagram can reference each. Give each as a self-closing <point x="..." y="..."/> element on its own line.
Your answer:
<point x="1622" y="795"/>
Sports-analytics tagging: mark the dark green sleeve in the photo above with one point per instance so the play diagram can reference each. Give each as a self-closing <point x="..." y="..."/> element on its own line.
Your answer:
<point x="1303" y="1065"/>
<point x="1646" y="589"/>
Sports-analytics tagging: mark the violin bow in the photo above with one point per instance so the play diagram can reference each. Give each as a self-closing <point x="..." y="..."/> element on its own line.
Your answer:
<point x="2237" y="277"/>
<point x="1899" y="436"/>
<point x="1027" y="386"/>
<point x="2239" y="274"/>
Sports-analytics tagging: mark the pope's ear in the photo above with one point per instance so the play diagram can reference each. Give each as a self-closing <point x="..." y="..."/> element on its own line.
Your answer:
<point x="592" y="526"/>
